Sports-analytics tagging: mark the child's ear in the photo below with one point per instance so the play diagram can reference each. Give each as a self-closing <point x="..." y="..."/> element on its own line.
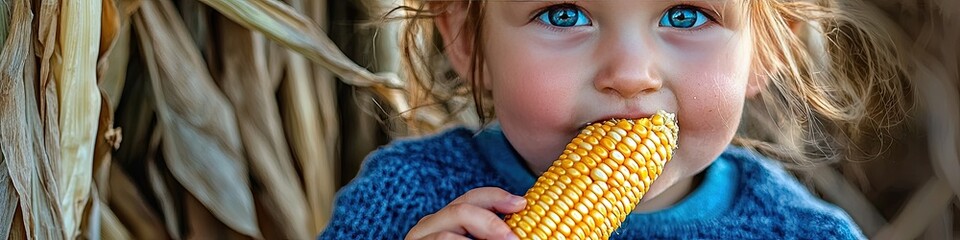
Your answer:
<point x="457" y="39"/>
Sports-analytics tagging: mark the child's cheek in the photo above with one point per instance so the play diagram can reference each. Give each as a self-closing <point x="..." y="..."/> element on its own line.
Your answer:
<point x="534" y="105"/>
<point x="711" y="94"/>
<point x="710" y="97"/>
<point x="537" y="88"/>
<point x="711" y="112"/>
<point x="535" y="102"/>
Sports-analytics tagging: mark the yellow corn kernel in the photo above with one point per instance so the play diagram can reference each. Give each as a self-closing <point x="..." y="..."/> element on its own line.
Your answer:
<point x="601" y="176"/>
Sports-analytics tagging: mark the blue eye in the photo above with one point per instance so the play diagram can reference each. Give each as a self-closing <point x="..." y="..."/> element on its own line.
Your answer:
<point x="683" y="17"/>
<point x="564" y="15"/>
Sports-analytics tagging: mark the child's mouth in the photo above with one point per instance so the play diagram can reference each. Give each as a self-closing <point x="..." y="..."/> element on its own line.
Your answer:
<point x="602" y="175"/>
<point x="617" y="116"/>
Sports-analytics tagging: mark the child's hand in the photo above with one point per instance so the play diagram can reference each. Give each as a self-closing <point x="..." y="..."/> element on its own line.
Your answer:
<point x="472" y="213"/>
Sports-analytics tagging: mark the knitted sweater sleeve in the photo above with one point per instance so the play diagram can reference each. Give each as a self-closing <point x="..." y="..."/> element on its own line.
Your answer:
<point x="398" y="185"/>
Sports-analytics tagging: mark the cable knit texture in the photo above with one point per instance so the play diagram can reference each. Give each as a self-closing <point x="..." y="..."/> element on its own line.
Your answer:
<point x="742" y="196"/>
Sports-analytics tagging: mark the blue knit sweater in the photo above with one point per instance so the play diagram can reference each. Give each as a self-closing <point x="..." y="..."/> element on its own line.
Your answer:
<point x="742" y="195"/>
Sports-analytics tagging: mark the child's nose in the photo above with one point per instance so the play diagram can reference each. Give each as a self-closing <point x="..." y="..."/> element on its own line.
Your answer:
<point x="628" y="70"/>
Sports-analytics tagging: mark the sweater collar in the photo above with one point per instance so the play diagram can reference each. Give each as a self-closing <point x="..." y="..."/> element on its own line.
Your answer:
<point x="497" y="150"/>
<point x="714" y="195"/>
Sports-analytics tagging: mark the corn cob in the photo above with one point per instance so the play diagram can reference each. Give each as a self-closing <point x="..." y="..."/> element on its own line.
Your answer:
<point x="598" y="180"/>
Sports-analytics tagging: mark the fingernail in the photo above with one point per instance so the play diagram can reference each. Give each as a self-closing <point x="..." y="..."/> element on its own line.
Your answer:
<point x="517" y="200"/>
<point x="512" y="236"/>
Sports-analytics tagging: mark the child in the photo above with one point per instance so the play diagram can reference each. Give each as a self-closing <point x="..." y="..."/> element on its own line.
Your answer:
<point x="552" y="67"/>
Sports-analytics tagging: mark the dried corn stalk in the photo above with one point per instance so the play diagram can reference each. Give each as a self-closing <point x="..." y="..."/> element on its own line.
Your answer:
<point x="246" y="83"/>
<point x="326" y="92"/>
<point x="302" y="118"/>
<point x="201" y="143"/>
<point x="307" y="124"/>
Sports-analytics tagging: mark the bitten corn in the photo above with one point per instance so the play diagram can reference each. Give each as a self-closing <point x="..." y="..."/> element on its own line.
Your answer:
<point x="598" y="180"/>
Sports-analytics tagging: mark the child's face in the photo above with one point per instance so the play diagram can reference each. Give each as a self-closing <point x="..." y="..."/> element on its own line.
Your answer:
<point x="554" y="68"/>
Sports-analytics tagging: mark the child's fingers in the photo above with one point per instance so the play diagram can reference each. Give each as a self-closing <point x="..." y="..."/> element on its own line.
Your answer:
<point x="472" y="213"/>
<point x="491" y="198"/>
<point x="464" y="218"/>
<point x="445" y="236"/>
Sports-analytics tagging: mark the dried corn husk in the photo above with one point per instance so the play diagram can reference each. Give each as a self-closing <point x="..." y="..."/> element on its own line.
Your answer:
<point x="109" y="28"/>
<point x="5" y="9"/>
<point x="326" y="88"/>
<point x="8" y="194"/>
<point x="280" y="23"/>
<point x="107" y="140"/>
<point x="136" y="114"/>
<point x="49" y="19"/>
<point x="100" y="222"/>
<point x="196" y="17"/>
<point x="115" y="75"/>
<point x="114" y="46"/>
<point x="246" y="83"/>
<point x="132" y="210"/>
<point x="111" y="227"/>
<point x="203" y="225"/>
<point x="50" y="57"/>
<point x="162" y="190"/>
<point x="307" y="140"/>
<point x="18" y="231"/>
<point x="79" y="96"/>
<point x="90" y="224"/>
<point x="201" y="143"/>
<point x="8" y="200"/>
<point x="306" y="130"/>
<point x="277" y="63"/>
<point x="325" y="85"/>
<point x="21" y="139"/>
<point x="126" y="199"/>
